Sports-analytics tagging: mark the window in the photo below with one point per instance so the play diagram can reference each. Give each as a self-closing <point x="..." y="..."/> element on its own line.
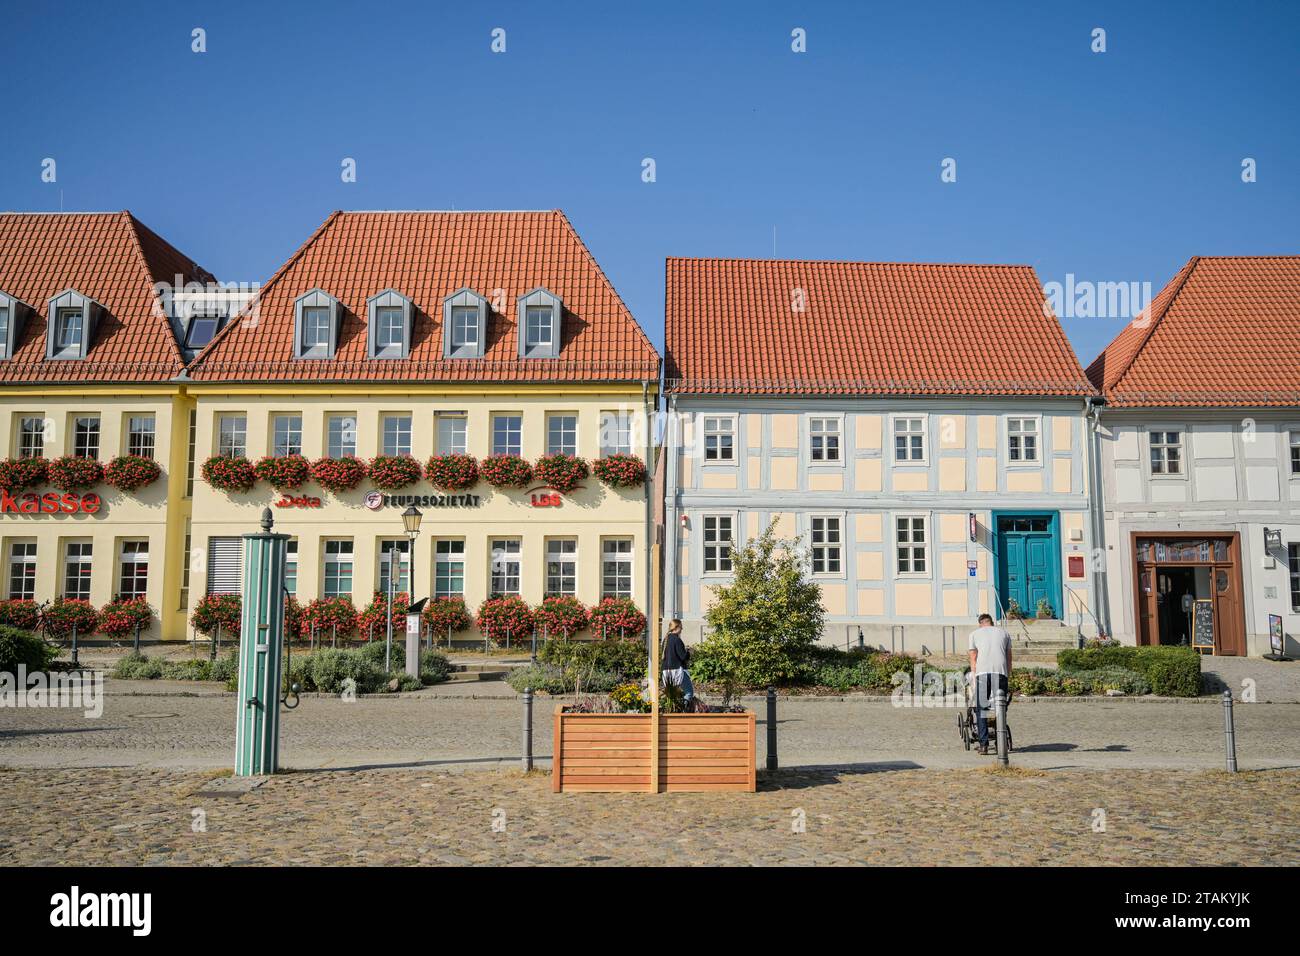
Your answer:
<point x="389" y="328"/>
<point x="719" y="439"/>
<point x="191" y="452"/>
<point x="225" y="565"/>
<point x="315" y="328"/>
<point x="717" y="544"/>
<point x="338" y="567"/>
<point x="232" y="436"/>
<point x="464" y="327"/>
<point x="315" y="325"/>
<point x="615" y="433"/>
<point x="69" y="325"/>
<point x="451" y="433"/>
<point x="1166" y="453"/>
<point x="202" y="329"/>
<point x="449" y="568"/>
<point x="291" y="566"/>
<point x="76" y="570"/>
<point x="401" y="547"/>
<point x="539" y="327"/>
<point x="911" y="544"/>
<point x="562" y="434"/>
<point x="22" y="571"/>
<point x="561" y="566"/>
<point x="1295" y="452"/>
<point x="31" y="437"/>
<point x="140" y="436"/>
<point x="506" y="566"/>
<point x="341" y="437"/>
<point x="1022" y="439"/>
<point x="507" y="434"/>
<point x="824" y="439"/>
<point x="287" y="431"/>
<point x="616" y="568"/>
<point x="4" y="332"/>
<point x="1293" y="564"/>
<point x="397" y="434"/>
<point x="85" y="436"/>
<point x="183" y="602"/>
<point x="909" y="439"/>
<point x="827" y="545"/>
<point x="134" y="580"/>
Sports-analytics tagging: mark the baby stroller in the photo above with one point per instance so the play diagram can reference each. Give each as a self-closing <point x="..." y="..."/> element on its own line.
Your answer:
<point x="966" y="719"/>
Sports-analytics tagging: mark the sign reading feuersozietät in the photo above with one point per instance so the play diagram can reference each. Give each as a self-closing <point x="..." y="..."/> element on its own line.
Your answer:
<point x="376" y="500"/>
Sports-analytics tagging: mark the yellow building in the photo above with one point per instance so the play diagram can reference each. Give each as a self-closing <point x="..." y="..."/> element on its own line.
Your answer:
<point x="402" y="334"/>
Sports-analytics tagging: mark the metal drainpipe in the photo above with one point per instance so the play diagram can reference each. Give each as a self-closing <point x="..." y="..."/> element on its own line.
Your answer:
<point x="670" y="511"/>
<point x="650" y="623"/>
<point x="1092" y="415"/>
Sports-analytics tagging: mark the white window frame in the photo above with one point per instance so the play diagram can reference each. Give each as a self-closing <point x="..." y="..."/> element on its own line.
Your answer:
<point x="403" y="547"/>
<point x="35" y="448"/>
<point x="519" y="432"/>
<point x="617" y="560"/>
<point x="838" y="460"/>
<point x="839" y="546"/>
<point x="333" y="553"/>
<point x="894" y="421"/>
<point x="615" y="425"/>
<point x="539" y="326"/>
<point x="506" y="551"/>
<point x="464" y="326"/>
<point x="396" y="448"/>
<point x="1183" y="445"/>
<point x="142" y="441"/>
<point x="1293" y="452"/>
<point x="315" y="329"/>
<point x="83" y="561"/>
<point x="1037" y="460"/>
<point x="563" y="553"/>
<point x="448" y="558"/>
<point x="385" y="326"/>
<point x="337" y="446"/>
<point x="733" y="429"/>
<point x="240" y="433"/>
<point x="1293" y="574"/>
<point x="133" y="552"/>
<point x="291" y="566"/>
<point x="285" y="421"/>
<point x="28" y="561"/>
<point x="460" y="447"/>
<point x="569" y="436"/>
<point x="928" y="544"/>
<point x="734" y="519"/>
<point x="94" y="436"/>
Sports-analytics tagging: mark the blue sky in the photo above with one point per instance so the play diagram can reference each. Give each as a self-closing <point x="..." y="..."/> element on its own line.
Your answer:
<point x="1114" y="166"/>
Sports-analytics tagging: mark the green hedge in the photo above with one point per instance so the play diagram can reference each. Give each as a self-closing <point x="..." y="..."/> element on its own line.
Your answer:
<point x="553" y="679"/>
<point x="624" y="657"/>
<point x="23" y="647"/>
<point x="1171" y="671"/>
<point x="139" y="667"/>
<point x="1042" y="681"/>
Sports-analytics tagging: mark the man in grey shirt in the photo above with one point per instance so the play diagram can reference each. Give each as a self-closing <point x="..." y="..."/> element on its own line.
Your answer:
<point x="990" y="663"/>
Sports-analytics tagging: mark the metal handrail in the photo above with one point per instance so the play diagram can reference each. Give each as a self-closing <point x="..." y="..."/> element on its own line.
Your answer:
<point x="1002" y="613"/>
<point x="1083" y="609"/>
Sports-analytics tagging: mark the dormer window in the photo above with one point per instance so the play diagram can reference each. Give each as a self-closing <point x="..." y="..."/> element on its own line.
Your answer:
<point x="71" y="328"/>
<point x="389" y="325"/>
<point x="464" y="319"/>
<point x="13" y="314"/>
<point x="316" y="325"/>
<point x="539" y="324"/>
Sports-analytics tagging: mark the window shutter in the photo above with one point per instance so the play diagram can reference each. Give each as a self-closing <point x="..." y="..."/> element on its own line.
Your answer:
<point x="225" y="565"/>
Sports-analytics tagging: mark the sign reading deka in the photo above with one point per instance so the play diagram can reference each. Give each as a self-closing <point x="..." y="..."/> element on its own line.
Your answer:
<point x="50" y="503"/>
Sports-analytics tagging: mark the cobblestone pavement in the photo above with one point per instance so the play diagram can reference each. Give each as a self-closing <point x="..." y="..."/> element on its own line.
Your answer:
<point x="396" y="817"/>
<point x="152" y="730"/>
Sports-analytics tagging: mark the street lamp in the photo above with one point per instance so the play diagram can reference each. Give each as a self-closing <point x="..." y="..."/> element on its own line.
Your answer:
<point x="411" y="519"/>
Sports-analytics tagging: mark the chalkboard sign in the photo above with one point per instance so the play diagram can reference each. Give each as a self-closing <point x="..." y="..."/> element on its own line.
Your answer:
<point x="1203" y="624"/>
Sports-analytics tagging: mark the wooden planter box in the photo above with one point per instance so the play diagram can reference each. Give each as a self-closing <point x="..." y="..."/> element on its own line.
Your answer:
<point x="613" y="752"/>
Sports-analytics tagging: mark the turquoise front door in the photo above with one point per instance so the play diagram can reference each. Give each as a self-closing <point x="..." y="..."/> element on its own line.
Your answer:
<point x="1028" y="562"/>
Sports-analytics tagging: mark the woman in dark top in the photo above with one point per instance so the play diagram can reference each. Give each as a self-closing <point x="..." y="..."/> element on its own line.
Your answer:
<point x="673" y="665"/>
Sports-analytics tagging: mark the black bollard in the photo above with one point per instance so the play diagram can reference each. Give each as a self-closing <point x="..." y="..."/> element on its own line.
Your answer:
<point x="528" y="729"/>
<point x="1001" y="710"/>
<point x="216" y="641"/>
<point x="1229" y="732"/>
<point x="136" y="648"/>
<point x="74" y="646"/>
<point x="771" y="728"/>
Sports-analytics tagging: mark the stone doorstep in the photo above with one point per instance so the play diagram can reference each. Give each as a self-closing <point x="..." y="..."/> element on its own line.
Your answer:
<point x="230" y="787"/>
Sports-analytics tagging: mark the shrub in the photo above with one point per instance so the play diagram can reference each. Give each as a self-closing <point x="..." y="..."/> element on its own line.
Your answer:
<point x="446" y="612"/>
<point x="226" y="667"/>
<point x="214" y="609"/>
<point x="131" y="472"/>
<point x="1170" y="671"/>
<point x="561" y="615"/>
<point x="625" y="658"/>
<point x="119" y="618"/>
<point x="629" y="699"/>
<point x="60" y="617"/>
<point x="505" y="618"/>
<point x="230" y="474"/>
<point x="24" y="615"/>
<point x="561" y="472"/>
<point x="19" y="646"/>
<point x="620" y="471"/>
<point x="70" y="473"/>
<point x="505" y="471"/>
<point x="616" y="617"/>
<point x="1174" y="675"/>
<point x="434" y="667"/>
<point x="389" y="472"/>
<point x="338" y="474"/>
<point x="553" y="679"/>
<point x="452" y="472"/>
<point x="372" y="622"/>
<point x="329" y="613"/>
<point x="138" y="667"/>
<point x="19" y="474"/>
<point x="293" y="618"/>
<point x="329" y="667"/>
<point x="283" y="472"/>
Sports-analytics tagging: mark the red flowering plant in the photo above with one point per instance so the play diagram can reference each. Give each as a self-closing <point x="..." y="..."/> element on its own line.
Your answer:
<point x="328" y="613"/>
<point x="444" y="613"/>
<point x="338" y="474"/>
<point x="620" y="471"/>
<point x="71" y="473"/>
<point x="505" y="471"/>
<point x="119" y="618"/>
<point x="64" y="614"/>
<point x="283" y="472"/>
<point x="24" y="615"/>
<point x="17" y="474"/>
<point x="371" y="621"/>
<point x="389" y="472"/>
<point x="616" y="617"/>
<point x="561" y="616"/>
<point x="505" y="618"/>
<point x="561" y="472"/>
<point x="230" y="474"/>
<point x="294" y="629"/>
<point x="452" y="472"/>
<point x="131" y="472"/>
<point x="214" y="609"/>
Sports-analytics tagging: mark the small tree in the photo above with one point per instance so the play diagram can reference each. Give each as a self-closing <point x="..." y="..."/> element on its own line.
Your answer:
<point x="767" y="620"/>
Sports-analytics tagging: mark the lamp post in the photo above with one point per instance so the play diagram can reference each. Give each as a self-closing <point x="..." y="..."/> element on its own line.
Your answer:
<point x="411" y="519"/>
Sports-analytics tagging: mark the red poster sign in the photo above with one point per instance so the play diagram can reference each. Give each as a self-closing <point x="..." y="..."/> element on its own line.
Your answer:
<point x="1076" y="565"/>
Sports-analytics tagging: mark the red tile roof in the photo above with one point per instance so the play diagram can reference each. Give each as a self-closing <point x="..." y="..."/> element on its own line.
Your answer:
<point x="113" y="259"/>
<point x="866" y="328"/>
<point x="427" y="256"/>
<point x="1225" y="332"/>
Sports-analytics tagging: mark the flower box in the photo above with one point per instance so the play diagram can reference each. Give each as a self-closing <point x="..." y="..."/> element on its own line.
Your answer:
<point x="390" y="472"/>
<point x="505" y="471"/>
<point x="19" y="474"/>
<point x="452" y="472"/>
<point x="70" y="473"/>
<point x="613" y="752"/>
<point x="230" y="474"/>
<point x="561" y="472"/>
<point x="131" y="472"/>
<point x="284" y="472"/>
<point x="620" y="471"/>
<point x="338" y="474"/>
